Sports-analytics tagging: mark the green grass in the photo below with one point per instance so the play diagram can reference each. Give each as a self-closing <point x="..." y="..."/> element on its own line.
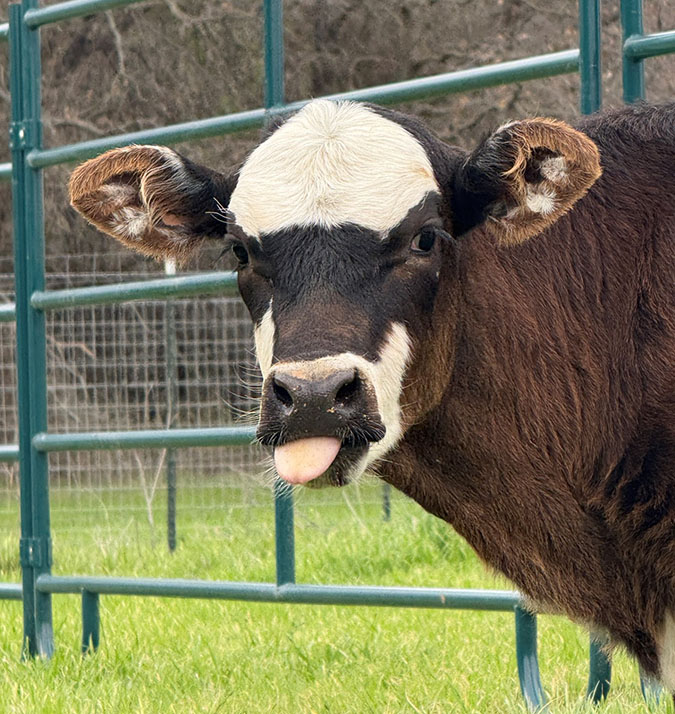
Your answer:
<point x="184" y="656"/>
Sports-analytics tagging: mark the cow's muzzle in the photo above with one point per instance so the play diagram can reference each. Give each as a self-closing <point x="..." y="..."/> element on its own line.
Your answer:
<point x="322" y="416"/>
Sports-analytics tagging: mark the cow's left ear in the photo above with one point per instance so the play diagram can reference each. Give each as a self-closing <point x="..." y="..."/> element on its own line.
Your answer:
<point x="522" y="178"/>
<point x="152" y="199"/>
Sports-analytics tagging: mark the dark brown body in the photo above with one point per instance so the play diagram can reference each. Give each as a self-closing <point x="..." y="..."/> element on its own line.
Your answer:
<point x="552" y="447"/>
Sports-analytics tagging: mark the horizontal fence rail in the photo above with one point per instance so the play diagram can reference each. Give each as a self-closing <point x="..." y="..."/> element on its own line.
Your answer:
<point x="9" y="453"/>
<point x="644" y="46"/>
<point x="218" y="283"/>
<point x="69" y="10"/>
<point x="145" y="439"/>
<point x="495" y="600"/>
<point x="539" y="67"/>
<point x="10" y="591"/>
<point x="8" y="312"/>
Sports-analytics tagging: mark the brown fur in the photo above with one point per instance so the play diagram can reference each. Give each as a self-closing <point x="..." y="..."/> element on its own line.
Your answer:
<point x="550" y="444"/>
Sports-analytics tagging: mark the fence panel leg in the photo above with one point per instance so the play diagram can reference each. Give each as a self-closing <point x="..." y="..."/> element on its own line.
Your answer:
<point x="91" y="622"/>
<point x="600" y="671"/>
<point x="633" y="69"/>
<point x="171" y="408"/>
<point x="386" y="501"/>
<point x="28" y="219"/>
<point x="651" y="691"/>
<point x="528" y="662"/>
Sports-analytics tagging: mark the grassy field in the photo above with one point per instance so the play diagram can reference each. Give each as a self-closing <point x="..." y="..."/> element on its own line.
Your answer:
<point x="184" y="656"/>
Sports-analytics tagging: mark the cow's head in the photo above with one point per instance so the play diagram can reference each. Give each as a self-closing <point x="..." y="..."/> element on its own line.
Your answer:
<point x="345" y="223"/>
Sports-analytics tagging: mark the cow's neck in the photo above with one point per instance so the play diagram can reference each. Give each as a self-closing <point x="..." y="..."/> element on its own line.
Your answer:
<point x="500" y="447"/>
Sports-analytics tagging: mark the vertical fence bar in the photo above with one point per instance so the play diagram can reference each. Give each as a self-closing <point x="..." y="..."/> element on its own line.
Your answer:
<point x="590" y="62"/>
<point x="590" y="74"/>
<point x="18" y="171"/>
<point x="633" y="68"/>
<point x="91" y="619"/>
<point x="172" y="408"/>
<point x="26" y="135"/>
<point x="651" y="691"/>
<point x="284" y="533"/>
<point x="274" y="97"/>
<point x="599" y="672"/>
<point x="528" y="661"/>
<point x="274" y="54"/>
<point x="386" y="501"/>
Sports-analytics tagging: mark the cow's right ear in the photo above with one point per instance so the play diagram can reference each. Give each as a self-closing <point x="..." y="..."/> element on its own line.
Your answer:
<point x="152" y="199"/>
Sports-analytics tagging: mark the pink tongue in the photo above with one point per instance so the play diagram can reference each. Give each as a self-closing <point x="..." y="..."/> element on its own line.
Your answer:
<point x="305" y="459"/>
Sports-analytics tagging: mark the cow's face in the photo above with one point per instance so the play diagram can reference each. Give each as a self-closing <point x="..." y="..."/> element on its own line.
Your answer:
<point x="345" y="225"/>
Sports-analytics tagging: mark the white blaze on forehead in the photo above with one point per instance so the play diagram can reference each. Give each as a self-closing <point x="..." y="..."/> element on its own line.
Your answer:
<point x="263" y="335"/>
<point x="332" y="163"/>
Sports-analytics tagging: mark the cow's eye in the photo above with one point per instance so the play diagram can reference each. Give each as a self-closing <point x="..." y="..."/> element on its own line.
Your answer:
<point x="240" y="253"/>
<point x="424" y="241"/>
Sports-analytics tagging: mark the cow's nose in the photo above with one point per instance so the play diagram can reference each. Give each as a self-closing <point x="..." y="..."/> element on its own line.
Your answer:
<point x="300" y="403"/>
<point x="334" y="393"/>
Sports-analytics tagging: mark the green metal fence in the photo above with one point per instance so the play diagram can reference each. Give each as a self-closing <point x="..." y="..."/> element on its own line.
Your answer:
<point x="32" y="301"/>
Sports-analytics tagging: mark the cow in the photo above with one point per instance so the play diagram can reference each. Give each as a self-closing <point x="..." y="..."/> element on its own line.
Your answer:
<point x="492" y="332"/>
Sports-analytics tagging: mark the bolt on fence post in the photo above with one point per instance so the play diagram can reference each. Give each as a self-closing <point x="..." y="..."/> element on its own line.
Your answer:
<point x="590" y="64"/>
<point x="171" y="408"/>
<point x="29" y="268"/>
<point x="633" y="68"/>
<point x="274" y="98"/>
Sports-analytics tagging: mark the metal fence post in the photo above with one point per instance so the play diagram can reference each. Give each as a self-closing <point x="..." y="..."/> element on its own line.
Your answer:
<point x="172" y="409"/>
<point x="590" y="46"/>
<point x="26" y="135"/>
<point x="91" y="622"/>
<point x="590" y="75"/>
<point x="274" y="98"/>
<point x="386" y="501"/>
<point x="528" y="661"/>
<point x="599" y="672"/>
<point x="633" y="67"/>
<point x="652" y="691"/>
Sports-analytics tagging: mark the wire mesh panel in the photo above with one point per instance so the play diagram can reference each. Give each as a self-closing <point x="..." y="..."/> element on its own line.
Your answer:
<point x="107" y="371"/>
<point x="9" y="471"/>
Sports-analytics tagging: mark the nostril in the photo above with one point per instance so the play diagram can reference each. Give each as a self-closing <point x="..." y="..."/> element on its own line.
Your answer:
<point x="348" y="392"/>
<point x="282" y="394"/>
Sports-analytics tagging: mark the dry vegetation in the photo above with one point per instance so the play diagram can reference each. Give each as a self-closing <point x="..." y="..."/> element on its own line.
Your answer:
<point x="166" y="61"/>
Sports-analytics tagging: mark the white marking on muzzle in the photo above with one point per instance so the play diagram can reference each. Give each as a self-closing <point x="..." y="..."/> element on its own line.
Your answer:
<point x="332" y="163"/>
<point x="263" y="335"/>
<point x="388" y="382"/>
